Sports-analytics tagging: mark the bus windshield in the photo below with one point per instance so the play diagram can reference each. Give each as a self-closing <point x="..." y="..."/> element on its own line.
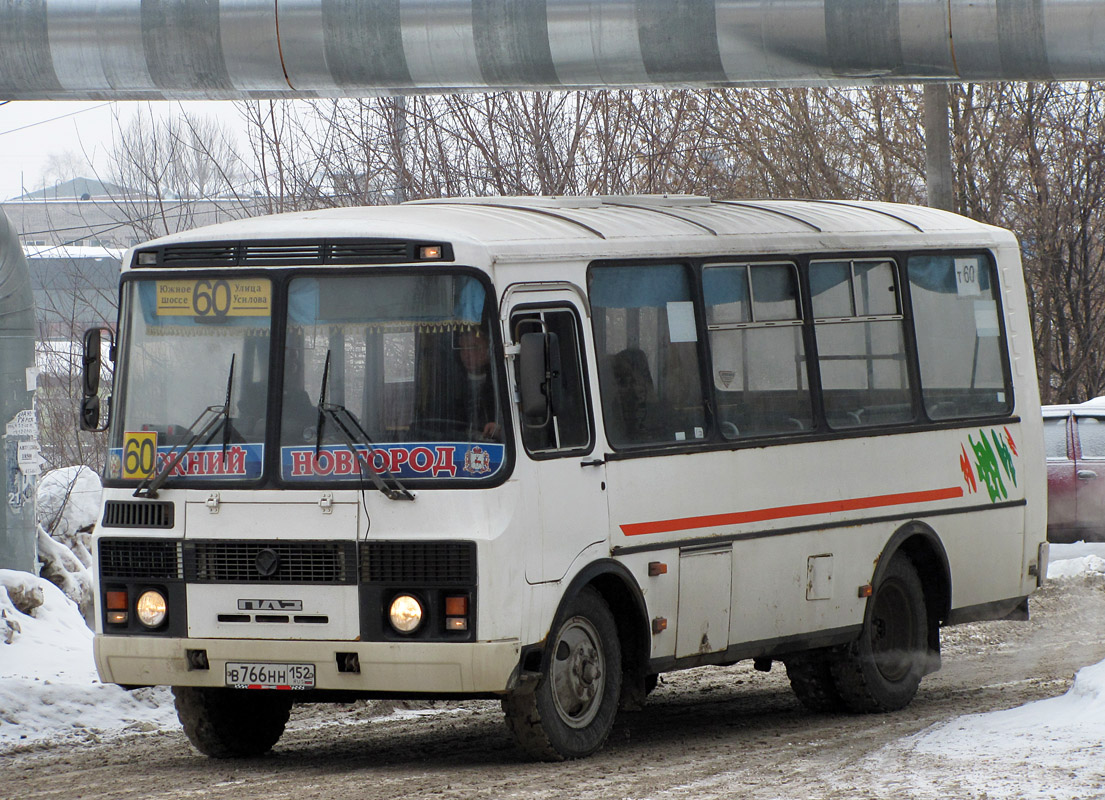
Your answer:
<point x="409" y="358"/>
<point x="188" y="341"/>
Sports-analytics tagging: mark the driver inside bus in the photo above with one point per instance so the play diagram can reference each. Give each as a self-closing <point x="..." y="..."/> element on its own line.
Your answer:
<point x="478" y="406"/>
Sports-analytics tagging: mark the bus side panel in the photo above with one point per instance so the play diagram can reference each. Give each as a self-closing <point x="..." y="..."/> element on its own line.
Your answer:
<point x="808" y="522"/>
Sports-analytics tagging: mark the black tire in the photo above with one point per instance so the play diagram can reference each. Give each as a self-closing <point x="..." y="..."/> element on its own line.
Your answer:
<point x="811" y="678"/>
<point x="571" y="711"/>
<point x="232" y="723"/>
<point x="881" y="671"/>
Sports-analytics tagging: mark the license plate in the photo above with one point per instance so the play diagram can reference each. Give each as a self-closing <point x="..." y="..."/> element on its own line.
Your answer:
<point x="241" y="675"/>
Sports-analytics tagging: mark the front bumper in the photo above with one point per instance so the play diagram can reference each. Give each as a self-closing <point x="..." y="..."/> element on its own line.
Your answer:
<point x="416" y="668"/>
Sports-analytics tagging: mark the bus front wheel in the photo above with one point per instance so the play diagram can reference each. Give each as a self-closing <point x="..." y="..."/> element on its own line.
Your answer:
<point x="882" y="669"/>
<point x="232" y="723"/>
<point x="571" y="711"/>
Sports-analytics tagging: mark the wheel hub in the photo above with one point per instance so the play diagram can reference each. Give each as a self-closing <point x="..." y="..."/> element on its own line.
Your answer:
<point x="577" y="672"/>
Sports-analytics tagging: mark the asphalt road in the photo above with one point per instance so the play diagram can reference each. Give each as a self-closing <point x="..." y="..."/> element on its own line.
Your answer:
<point x="708" y="732"/>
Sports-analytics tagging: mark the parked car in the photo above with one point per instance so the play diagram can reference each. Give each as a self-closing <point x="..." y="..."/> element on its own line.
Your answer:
<point x="1074" y="439"/>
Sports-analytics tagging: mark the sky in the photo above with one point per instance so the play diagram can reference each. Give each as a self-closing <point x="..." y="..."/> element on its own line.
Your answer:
<point x="32" y="132"/>
<point x="49" y="693"/>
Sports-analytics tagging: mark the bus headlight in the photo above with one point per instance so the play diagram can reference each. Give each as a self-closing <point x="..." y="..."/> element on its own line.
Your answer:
<point x="405" y="614"/>
<point x="151" y="608"/>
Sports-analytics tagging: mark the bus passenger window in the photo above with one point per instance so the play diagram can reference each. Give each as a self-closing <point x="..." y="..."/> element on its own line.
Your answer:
<point x="956" y="318"/>
<point x="568" y="424"/>
<point x="647" y="344"/>
<point x="757" y="353"/>
<point x="860" y="343"/>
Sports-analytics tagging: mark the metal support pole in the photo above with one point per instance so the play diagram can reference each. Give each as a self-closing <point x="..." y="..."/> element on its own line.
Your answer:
<point x="938" y="149"/>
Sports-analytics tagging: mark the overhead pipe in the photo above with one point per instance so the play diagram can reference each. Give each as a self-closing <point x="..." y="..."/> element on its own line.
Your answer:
<point x="234" y="49"/>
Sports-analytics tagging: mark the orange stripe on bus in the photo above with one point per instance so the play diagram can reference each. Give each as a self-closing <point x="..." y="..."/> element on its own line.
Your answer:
<point x="785" y="512"/>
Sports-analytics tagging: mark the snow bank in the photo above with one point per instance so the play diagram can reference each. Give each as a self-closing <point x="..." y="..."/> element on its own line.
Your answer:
<point x="67" y="500"/>
<point x="48" y="684"/>
<point x="1052" y="748"/>
<point x="1044" y="750"/>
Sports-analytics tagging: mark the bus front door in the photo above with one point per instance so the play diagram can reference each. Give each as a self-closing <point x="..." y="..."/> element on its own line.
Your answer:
<point x="565" y="477"/>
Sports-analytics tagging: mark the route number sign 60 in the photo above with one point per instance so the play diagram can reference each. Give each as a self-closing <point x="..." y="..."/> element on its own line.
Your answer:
<point x="139" y="454"/>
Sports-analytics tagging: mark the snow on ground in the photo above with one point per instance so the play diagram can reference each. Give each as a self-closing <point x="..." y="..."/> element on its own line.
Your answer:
<point x="49" y="692"/>
<point x="68" y="499"/>
<point x="48" y="684"/>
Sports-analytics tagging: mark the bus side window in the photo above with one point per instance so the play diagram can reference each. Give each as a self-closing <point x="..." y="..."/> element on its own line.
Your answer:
<point x="860" y="335"/>
<point x="568" y="425"/>
<point x="957" y="319"/>
<point x="646" y="340"/>
<point x="757" y="352"/>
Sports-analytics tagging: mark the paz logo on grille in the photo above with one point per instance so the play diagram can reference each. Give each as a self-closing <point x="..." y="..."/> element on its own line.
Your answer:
<point x="270" y="605"/>
<point x="267" y="563"/>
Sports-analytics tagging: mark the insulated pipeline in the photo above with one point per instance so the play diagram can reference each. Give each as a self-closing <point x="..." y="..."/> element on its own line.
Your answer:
<point x="119" y="49"/>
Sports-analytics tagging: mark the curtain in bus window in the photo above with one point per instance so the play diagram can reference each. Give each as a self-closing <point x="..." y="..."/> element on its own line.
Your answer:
<point x="956" y="316"/>
<point x="758" y="362"/>
<point x="646" y="338"/>
<point x="860" y="343"/>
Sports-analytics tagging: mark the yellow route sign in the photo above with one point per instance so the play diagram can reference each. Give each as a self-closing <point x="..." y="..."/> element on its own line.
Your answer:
<point x="139" y="454"/>
<point x="220" y="297"/>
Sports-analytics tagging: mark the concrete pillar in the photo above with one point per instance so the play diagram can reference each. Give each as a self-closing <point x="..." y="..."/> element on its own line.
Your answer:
<point x="17" y="416"/>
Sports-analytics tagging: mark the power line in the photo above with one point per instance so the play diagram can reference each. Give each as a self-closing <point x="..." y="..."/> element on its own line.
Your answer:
<point x="52" y="119"/>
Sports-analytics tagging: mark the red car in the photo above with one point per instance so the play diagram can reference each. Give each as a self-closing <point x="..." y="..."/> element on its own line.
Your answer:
<point x="1074" y="439"/>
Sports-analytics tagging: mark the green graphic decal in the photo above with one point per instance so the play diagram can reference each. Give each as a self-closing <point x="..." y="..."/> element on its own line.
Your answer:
<point x="993" y="457"/>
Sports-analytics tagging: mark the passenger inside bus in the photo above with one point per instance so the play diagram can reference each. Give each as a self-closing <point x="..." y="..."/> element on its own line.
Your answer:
<point x="638" y="416"/>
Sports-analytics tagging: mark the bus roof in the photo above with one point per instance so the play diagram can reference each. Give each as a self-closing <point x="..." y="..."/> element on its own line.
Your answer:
<point x="596" y="224"/>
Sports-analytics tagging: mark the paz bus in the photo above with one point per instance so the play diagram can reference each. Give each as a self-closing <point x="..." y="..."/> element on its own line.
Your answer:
<point x="545" y="449"/>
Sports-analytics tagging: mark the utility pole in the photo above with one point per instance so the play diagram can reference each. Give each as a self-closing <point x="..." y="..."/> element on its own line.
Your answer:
<point x="938" y="149"/>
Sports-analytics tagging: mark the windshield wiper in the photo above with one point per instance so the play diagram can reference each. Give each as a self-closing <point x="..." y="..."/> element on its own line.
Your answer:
<point x="218" y="414"/>
<point x="347" y="424"/>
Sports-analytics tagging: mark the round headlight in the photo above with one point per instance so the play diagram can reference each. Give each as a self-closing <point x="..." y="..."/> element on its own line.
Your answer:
<point x="152" y="608"/>
<point x="405" y="614"/>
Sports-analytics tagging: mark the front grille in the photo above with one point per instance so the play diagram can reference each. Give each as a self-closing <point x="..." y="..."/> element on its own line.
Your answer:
<point x="423" y="563"/>
<point x="137" y="514"/>
<point x="122" y="559"/>
<point x="371" y="252"/>
<point x="215" y="254"/>
<point x="270" y="562"/>
<point x="283" y="253"/>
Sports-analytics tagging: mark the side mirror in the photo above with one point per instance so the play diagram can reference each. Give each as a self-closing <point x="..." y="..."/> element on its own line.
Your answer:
<point x="90" y="414"/>
<point x="92" y="361"/>
<point x="92" y="366"/>
<point x="538" y="376"/>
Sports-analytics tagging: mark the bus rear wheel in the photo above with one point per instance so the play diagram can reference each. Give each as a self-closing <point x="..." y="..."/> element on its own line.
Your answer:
<point x="232" y="723"/>
<point x="571" y="711"/>
<point x="881" y="671"/>
<point x="811" y="679"/>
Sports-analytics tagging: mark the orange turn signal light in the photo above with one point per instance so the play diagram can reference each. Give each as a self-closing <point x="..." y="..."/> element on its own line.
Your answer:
<point x="116" y="600"/>
<point x="456" y="606"/>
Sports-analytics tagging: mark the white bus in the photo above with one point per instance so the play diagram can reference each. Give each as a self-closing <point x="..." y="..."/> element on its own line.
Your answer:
<point x="545" y="449"/>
